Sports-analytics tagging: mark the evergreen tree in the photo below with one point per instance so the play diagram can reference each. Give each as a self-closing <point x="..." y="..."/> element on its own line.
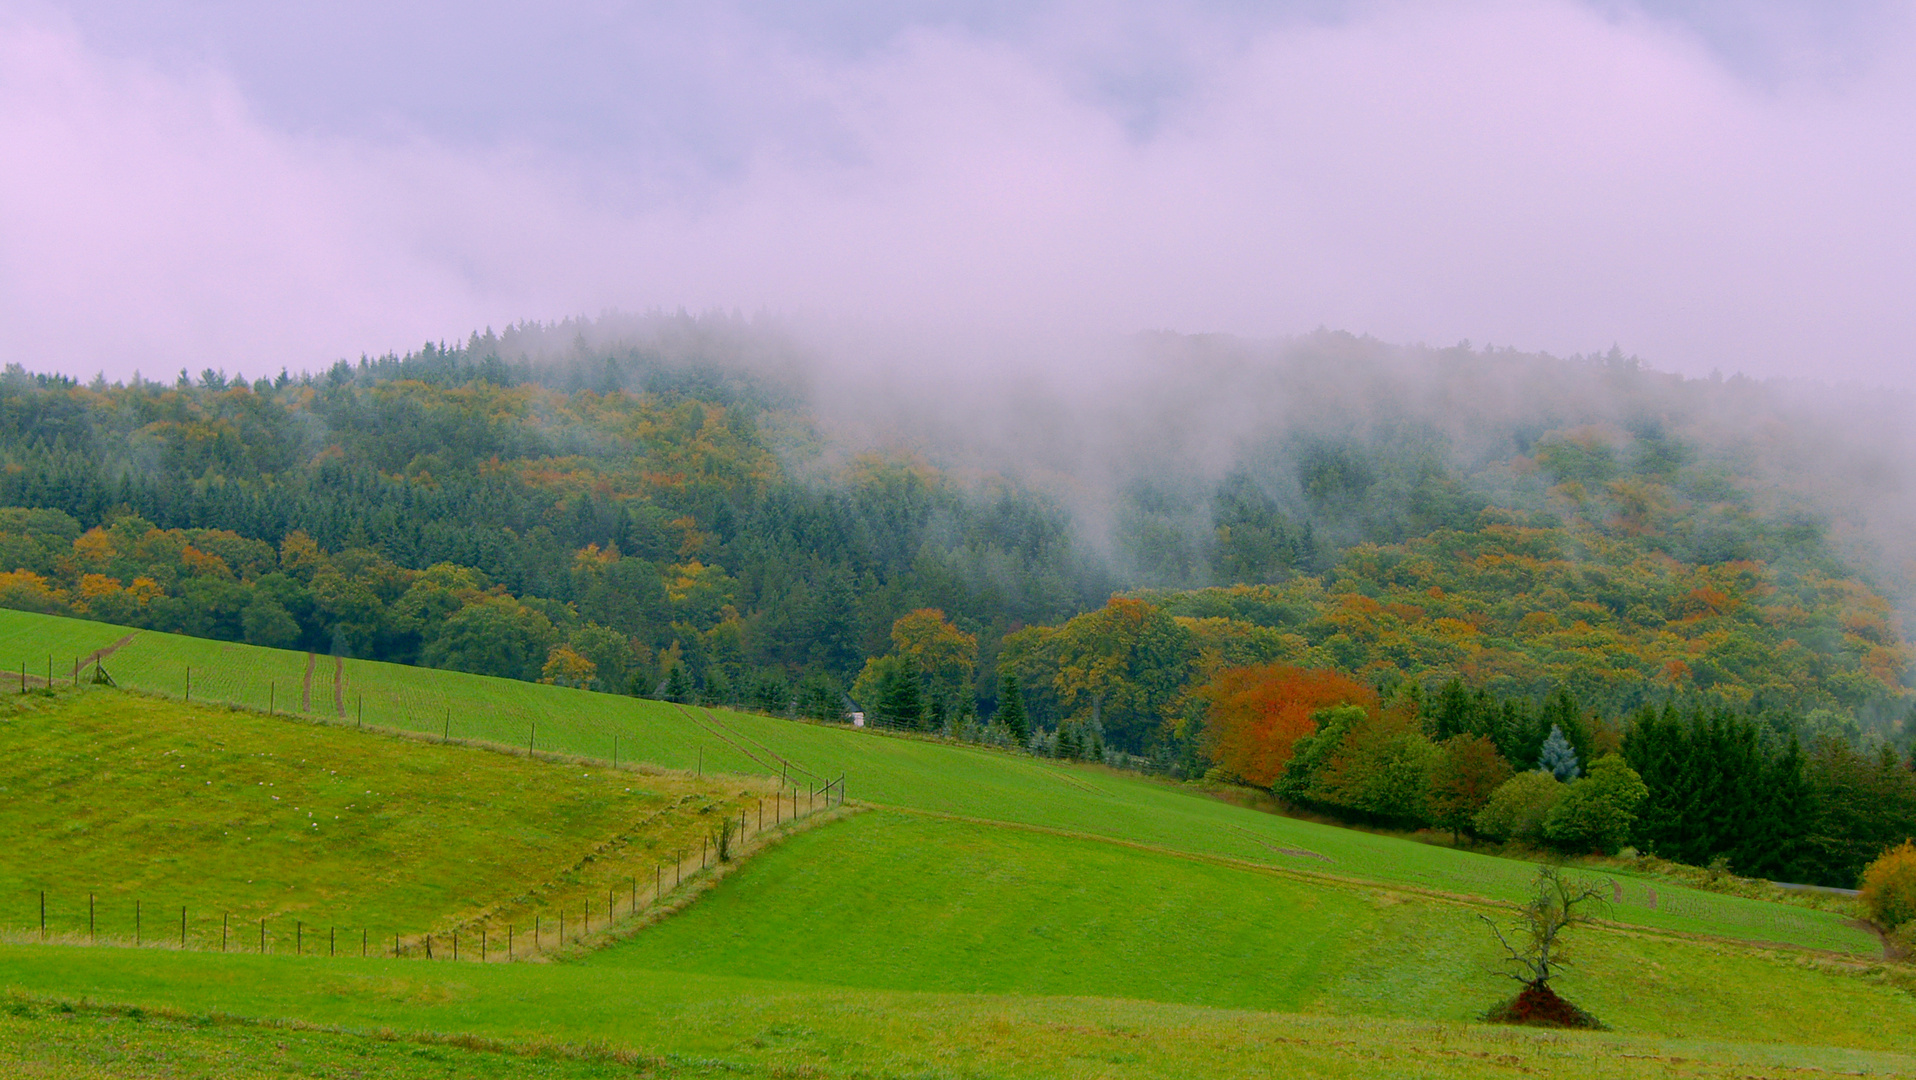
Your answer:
<point x="901" y="702"/>
<point x="678" y="685"/>
<point x="1451" y="714"/>
<point x="1558" y="758"/>
<point x="1011" y="708"/>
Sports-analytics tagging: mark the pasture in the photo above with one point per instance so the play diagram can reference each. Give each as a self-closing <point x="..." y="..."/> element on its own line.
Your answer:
<point x="995" y="914"/>
<point x="237" y="817"/>
<point x="919" y="774"/>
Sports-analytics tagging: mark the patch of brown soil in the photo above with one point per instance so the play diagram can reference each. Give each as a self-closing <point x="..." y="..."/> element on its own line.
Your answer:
<point x="1539" y="1006"/>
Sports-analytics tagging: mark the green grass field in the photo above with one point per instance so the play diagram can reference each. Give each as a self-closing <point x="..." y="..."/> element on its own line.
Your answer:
<point x="236" y="817"/>
<point x="898" y="901"/>
<point x="888" y="770"/>
<point x="997" y="915"/>
<point x="691" y="1024"/>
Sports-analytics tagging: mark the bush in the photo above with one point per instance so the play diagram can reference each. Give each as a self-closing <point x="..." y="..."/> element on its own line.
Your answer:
<point x="1597" y="812"/>
<point x="1889" y="887"/>
<point x="1518" y="806"/>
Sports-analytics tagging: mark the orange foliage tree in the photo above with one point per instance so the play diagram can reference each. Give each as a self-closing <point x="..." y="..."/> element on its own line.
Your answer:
<point x="1256" y="714"/>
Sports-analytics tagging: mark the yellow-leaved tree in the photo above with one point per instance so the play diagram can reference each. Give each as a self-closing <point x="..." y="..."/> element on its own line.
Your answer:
<point x="1889" y="887"/>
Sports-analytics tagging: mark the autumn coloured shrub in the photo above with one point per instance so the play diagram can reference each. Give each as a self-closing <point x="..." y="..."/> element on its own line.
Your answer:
<point x="1257" y="714"/>
<point x="1889" y="886"/>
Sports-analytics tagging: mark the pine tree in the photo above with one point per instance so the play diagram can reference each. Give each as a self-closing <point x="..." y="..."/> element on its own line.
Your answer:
<point x="1067" y="740"/>
<point x="901" y="703"/>
<point x="678" y="686"/>
<point x="1558" y="758"/>
<point x="1011" y="708"/>
<point x="1451" y="714"/>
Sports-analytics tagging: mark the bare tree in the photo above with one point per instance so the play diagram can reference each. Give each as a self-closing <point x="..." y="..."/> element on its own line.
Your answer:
<point x="1534" y="946"/>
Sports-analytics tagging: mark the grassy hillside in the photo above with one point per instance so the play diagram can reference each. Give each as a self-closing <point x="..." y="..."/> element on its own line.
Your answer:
<point x="924" y="775"/>
<point x="998" y="915"/>
<point x="681" y="1024"/>
<point x="234" y="814"/>
<point x="905" y="902"/>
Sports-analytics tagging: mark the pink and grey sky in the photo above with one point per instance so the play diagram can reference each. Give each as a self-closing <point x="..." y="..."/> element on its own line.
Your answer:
<point x="251" y="186"/>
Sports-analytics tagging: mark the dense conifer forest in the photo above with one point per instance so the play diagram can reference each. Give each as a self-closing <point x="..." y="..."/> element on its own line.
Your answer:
<point x="1489" y="550"/>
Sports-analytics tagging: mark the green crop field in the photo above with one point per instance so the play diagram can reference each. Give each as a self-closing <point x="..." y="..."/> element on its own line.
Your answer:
<point x="996" y="915"/>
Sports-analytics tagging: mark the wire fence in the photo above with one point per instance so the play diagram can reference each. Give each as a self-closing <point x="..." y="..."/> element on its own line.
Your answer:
<point x="114" y="919"/>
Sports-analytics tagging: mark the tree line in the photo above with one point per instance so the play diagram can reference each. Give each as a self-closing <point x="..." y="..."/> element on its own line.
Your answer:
<point x="1704" y="786"/>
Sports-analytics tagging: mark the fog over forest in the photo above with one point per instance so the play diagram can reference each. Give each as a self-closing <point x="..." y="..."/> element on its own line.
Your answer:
<point x="1135" y="433"/>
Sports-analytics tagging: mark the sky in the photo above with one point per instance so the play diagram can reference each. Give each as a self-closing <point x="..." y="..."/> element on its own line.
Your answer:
<point x="1709" y="185"/>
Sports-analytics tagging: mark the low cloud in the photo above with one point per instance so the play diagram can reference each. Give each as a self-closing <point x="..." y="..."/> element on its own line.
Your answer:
<point x="1544" y="175"/>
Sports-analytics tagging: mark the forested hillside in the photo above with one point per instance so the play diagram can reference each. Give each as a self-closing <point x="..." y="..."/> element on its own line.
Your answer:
<point x="682" y="506"/>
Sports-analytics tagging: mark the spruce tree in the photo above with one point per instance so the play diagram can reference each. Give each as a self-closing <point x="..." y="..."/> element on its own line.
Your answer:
<point x="1011" y="708"/>
<point x="1451" y="714"/>
<point x="1558" y="758"/>
<point x="901" y="703"/>
<point x="678" y="686"/>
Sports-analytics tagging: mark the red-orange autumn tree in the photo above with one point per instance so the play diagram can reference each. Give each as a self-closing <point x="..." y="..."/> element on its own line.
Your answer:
<point x="1256" y="714"/>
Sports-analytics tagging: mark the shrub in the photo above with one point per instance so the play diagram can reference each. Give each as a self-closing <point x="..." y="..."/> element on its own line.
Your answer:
<point x="1597" y="812"/>
<point x="1889" y="887"/>
<point x="1517" y="808"/>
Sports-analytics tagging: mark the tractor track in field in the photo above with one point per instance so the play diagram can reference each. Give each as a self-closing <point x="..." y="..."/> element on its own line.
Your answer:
<point x="102" y="653"/>
<point x="306" y="687"/>
<point x="339" y="686"/>
<point x="690" y="715"/>
<point x="712" y="719"/>
<point x="1344" y="879"/>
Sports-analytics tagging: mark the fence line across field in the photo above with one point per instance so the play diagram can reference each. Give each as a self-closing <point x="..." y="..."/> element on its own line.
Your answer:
<point x="307" y="935"/>
<point x="326" y="694"/>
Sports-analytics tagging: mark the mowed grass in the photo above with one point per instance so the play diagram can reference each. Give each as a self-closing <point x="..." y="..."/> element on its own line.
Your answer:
<point x="900" y="901"/>
<point x="913" y="773"/>
<point x="680" y="1023"/>
<point x="58" y="1041"/>
<point x="227" y="813"/>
